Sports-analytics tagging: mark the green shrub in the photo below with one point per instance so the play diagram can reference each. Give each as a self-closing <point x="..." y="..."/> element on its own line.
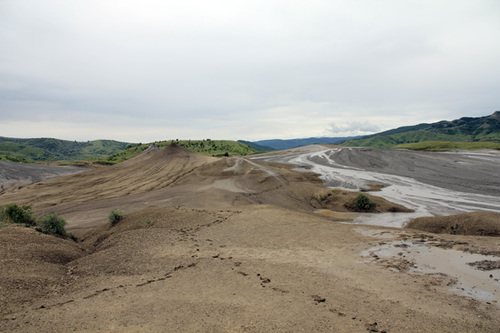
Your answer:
<point x="363" y="204"/>
<point x="115" y="217"/>
<point x="53" y="224"/>
<point x="17" y="214"/>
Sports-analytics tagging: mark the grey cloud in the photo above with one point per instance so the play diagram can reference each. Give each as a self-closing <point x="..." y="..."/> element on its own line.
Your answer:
<point x="198" y="63"/>
<point x="353" y="128"/>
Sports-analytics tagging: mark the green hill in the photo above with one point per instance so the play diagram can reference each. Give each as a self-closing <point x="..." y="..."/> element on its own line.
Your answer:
<point x="447" y="146"/>
<point x="49" y="149"/>
<point x="465" y="129"/>
<point x="209" y="147"/>
<point x="106" y="151"/>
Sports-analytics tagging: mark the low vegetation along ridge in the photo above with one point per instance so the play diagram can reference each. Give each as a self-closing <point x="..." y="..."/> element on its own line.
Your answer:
<point x="50" y="224"/>
<point x="208" y="147"/>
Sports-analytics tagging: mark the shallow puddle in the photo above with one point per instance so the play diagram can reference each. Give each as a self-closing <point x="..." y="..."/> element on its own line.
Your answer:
<point x="422" y="258"/>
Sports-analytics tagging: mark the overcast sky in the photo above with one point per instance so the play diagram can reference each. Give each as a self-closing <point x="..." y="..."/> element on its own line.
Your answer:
<point x="140" y="71"/>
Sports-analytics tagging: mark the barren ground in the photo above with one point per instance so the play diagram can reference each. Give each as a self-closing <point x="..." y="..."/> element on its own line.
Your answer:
<point x="14" y="175"/>
<point x="218" y="245"/>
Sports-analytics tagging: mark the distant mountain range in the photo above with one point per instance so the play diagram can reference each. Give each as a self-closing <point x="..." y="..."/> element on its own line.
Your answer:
<point x="278" y="144"/>
<point x="256" y="146"/>
<point x="49" y="149"/>
<point x="465" y="129"/>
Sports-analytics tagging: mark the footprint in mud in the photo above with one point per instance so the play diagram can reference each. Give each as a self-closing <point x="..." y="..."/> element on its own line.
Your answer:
<point x="263" y="280"/>
<point x="318" y="299"/>
<point x="373" y="327"/>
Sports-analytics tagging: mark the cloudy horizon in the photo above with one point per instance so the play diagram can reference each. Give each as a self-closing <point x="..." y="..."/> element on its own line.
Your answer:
<point x="143" y="71"/>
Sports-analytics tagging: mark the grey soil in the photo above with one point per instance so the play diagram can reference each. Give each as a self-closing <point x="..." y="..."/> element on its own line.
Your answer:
<point x="458" y="171"/>
<point x="20" y="174"/>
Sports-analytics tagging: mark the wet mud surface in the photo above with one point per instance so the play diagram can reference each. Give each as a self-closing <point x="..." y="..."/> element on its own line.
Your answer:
<point x="432" y="184"/>
<point x="19" y="174"/>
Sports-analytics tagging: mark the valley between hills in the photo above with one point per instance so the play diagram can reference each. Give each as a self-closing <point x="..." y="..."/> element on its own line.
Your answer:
<point x="262" y="243"/>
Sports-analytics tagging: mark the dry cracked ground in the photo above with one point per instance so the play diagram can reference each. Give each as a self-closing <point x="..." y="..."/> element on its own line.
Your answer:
<point x="217" y="245"/>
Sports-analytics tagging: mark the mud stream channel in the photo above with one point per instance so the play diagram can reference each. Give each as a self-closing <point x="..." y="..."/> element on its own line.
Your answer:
<point x="432" y="184"/>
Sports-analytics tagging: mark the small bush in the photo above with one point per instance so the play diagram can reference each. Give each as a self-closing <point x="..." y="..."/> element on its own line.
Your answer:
<point x="115" y="217"/>
<point x="53" y="224"/>
<point x="363" y="204"/>
<point x="17" y="214"/>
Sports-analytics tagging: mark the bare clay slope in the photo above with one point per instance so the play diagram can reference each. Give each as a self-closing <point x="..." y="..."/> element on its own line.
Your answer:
<point x="475" y="223"/>
<point x="153" y="169"/>
<point x="166" y="177"/>
<point x="32" y="265"/>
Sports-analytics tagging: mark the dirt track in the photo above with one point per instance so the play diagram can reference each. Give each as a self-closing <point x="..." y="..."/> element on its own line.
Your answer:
<point x="213" y="245"/>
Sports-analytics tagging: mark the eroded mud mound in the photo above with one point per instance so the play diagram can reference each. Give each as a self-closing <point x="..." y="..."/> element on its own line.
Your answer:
<point x="32" y="264"/>
<point x="151" y="170"/>
<point x="470" y="224"/>
<point x="171" y="176"/>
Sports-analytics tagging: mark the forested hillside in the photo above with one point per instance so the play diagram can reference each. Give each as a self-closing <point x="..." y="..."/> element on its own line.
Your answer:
<point x="49" y="149"/>
<point x="465" y="129"/>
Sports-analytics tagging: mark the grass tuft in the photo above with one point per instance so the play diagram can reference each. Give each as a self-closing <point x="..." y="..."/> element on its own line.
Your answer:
<point x="114" y="217"/>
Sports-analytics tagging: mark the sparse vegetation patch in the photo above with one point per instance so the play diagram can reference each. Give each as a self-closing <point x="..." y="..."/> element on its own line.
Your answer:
<point x="348" y="201"/>
<point x="114" y="217"/>
<point x="50" y="224"/>
<point x="13" y="213"/>
<point x="363" y="204"/>
<point x="53" y="224"/>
